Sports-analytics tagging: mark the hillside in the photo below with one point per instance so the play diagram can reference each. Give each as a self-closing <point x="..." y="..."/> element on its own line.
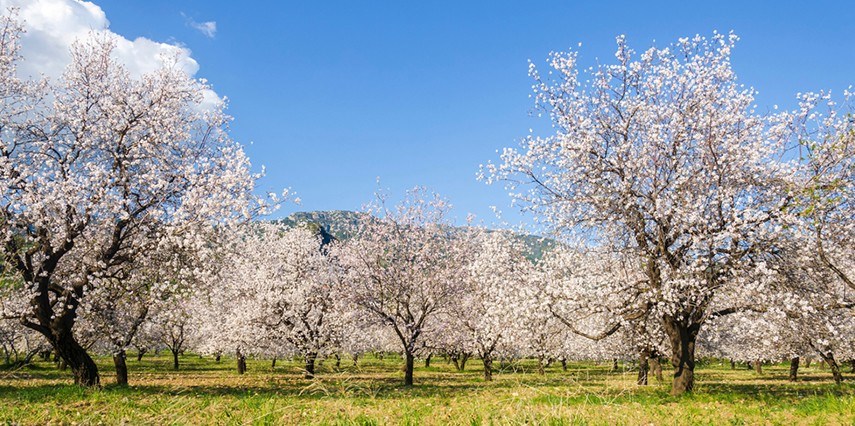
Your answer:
<point x="342" y="223"/>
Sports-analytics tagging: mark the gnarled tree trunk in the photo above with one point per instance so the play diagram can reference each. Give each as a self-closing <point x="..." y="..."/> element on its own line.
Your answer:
<point x="643" y="366"/>
<point x="241" y="362"/>
<point x="828" y="358"/>
<point x="73" y="355"/>
<point x="408" y="369"/>
<point x="488" y="367"/>
<point x="794" y="369"/>
<point x="656" y="366"/>
<point x="309" y="367"/>
<point x="682" y="337"/>
<point x="121" y="368"/>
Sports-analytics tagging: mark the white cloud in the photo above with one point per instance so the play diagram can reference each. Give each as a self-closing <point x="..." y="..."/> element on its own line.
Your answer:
<point x="52" y="26"/>
<point x="209" y="28"/>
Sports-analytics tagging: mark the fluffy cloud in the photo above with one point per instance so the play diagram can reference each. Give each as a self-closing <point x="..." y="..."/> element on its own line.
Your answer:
<point x="53" y="25"/>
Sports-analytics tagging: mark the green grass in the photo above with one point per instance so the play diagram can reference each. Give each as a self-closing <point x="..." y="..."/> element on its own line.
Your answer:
<point x="205" y="392"/>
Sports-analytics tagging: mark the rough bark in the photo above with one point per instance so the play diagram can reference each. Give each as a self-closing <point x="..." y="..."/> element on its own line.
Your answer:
<point x="309" y="367"/>
<point x="828" y="358"/>
<point x="121" y="368"/>
<point x="643" y="366"/>
<point x="408" y="369"/>
<point x="682" y="337"/>
<point x="488" y="368"/>
<point x="241" y="362"/>
<point x="656" y="366"/>
<point x="74" y="356"/>
<point x="794" y="369"/>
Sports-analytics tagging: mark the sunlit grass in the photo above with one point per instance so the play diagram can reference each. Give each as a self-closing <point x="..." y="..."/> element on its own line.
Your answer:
<point x="204" y="391"/>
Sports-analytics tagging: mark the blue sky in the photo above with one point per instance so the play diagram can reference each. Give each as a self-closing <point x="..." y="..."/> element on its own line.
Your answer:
<point x="332" y="95"/>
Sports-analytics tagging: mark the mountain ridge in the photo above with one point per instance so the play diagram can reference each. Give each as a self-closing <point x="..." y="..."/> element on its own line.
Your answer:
<point x="341" y="224"/>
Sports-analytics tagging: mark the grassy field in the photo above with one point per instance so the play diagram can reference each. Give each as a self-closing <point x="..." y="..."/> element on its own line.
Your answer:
<point x="205" y="392"/>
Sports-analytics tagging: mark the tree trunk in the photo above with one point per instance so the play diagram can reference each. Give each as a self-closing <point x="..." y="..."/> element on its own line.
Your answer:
<point x="682" y="338"/>
<point x="73" y="355"/>
<point x="794" y="368"/>
<point x="852" y="365"/>
<point x="463" y="359"/>
<point x="121" y="368"/>
<point x="758" y="366"/>
<point x="140" y="354"/>
<point x="563" y="364"/>
<point x="241" y="362"/>
<point x="732" y="364"/>
<point x="807" y="361"/>
<point x="174" y="359"/>
<point x="427" y="360"/>
<point x="217" y="357"/>
<point x="355" y="359"/>
<point x="309" y="369"/>
<point x="643" y="366"/>
<point x="828" y="358"/>
<point x="488" y="368"/>
<point x="337" y="361"/>
<point x="540" y="365"/>
<point x="408" y="369"/>
<point x="614" y="365"/>
<point x="656" y="366"/>
<point x="455" y="361"/>
<point x="273" y="363"/>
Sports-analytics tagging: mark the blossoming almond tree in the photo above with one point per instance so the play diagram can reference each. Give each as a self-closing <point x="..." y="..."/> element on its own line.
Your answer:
<point x="403" y="267"/>
<point x="99" y="167"/>
<point x="486" y="309"/>
<point x="661" y="158"/>
<point x="289" y="289"/>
